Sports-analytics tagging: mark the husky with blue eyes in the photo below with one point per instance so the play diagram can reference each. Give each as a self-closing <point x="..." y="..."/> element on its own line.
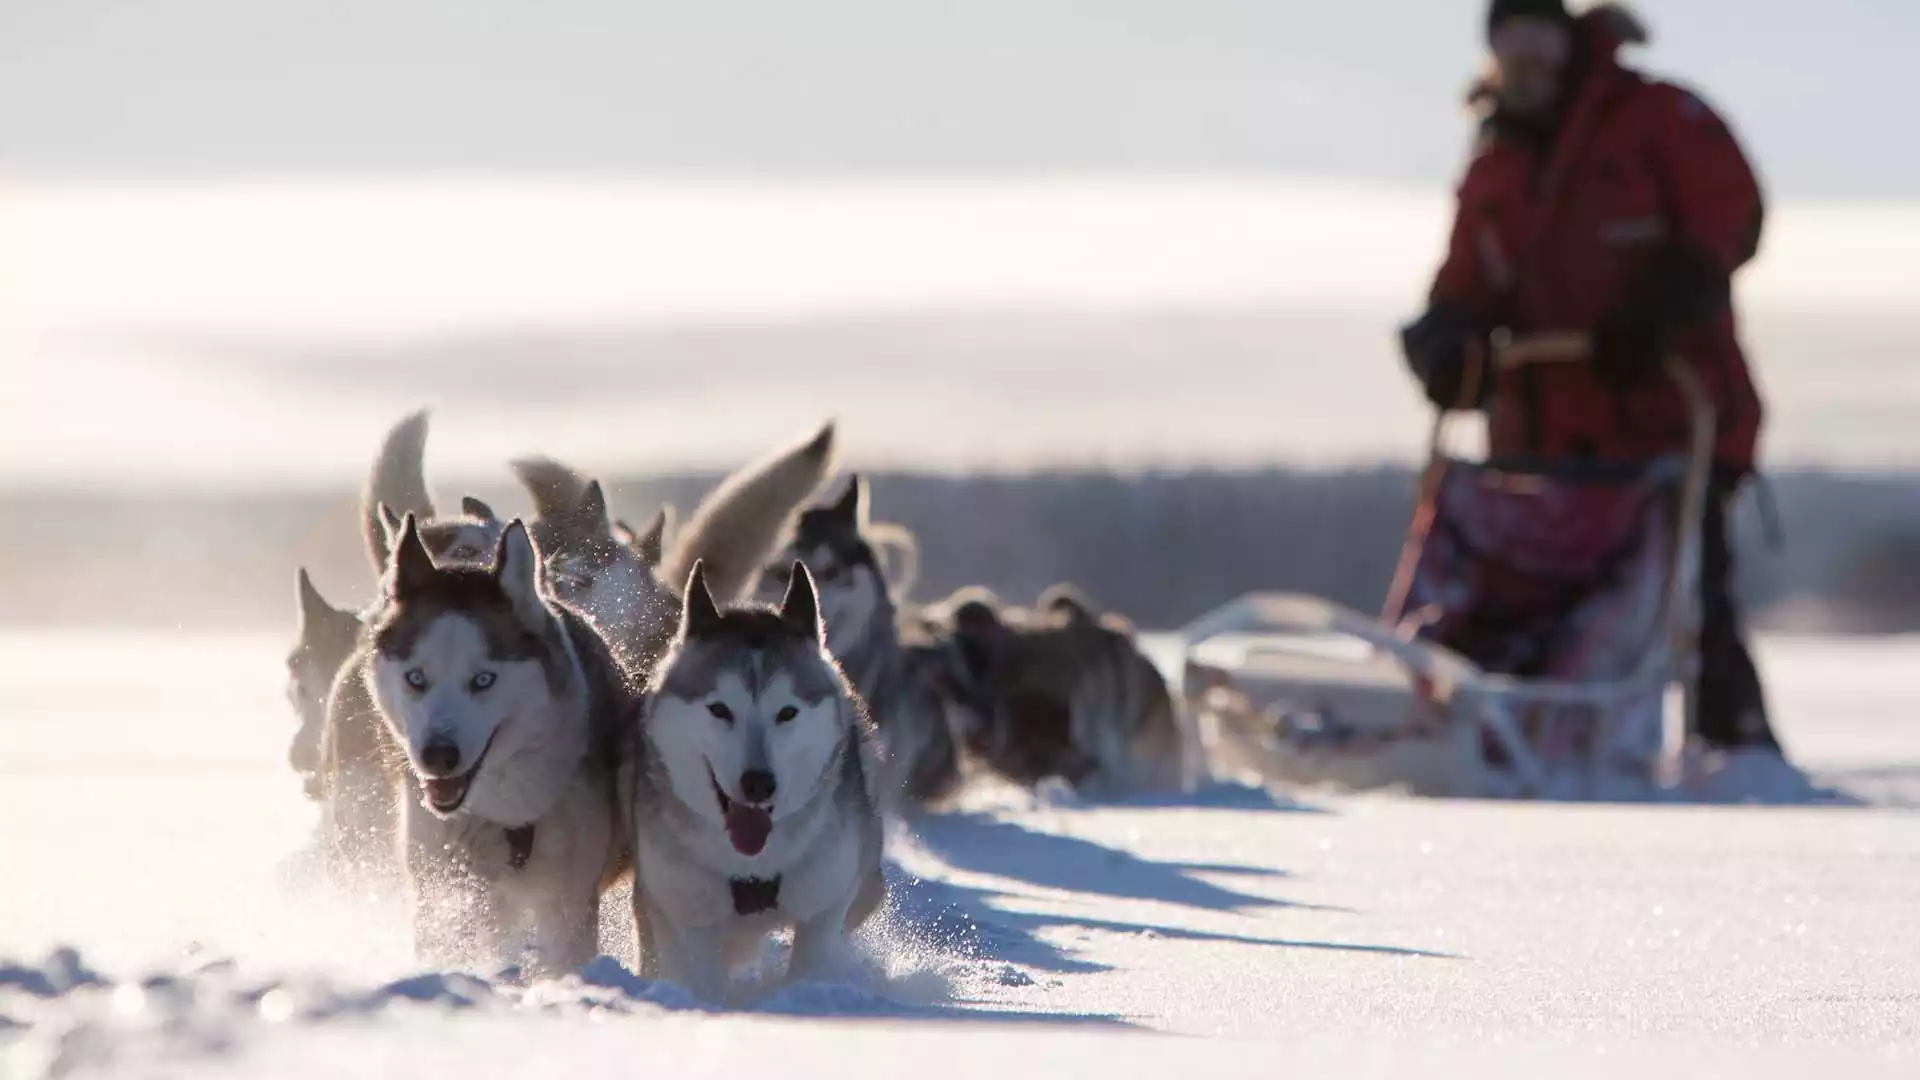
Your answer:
<point x="754" y="801"/>
<point x="596" y="565"/>
<point x="502" y="710"/>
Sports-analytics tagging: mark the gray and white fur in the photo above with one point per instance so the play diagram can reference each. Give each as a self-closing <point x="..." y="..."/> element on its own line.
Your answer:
<point x="595" y="567"/>
<point x="591" y="569"/>
<point x="754" y="800"/>
<point x="505" y="708"/>
<point x="396" y="485"/>
<point x="908" y="683"/>
<point x="336" y="750"/>
<point x="357" y="821"/>
<point x="323" y="640"/>
<point x="1065" y="691"/>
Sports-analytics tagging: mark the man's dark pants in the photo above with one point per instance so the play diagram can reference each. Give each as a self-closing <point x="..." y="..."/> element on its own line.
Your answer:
<point x="1732" y="710"/>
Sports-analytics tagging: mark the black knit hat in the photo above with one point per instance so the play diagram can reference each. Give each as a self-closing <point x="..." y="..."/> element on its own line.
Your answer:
<point x="1507" y="9"/>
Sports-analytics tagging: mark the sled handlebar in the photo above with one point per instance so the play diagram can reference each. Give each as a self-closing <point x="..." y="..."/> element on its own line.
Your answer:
<point x="1545" y="349"/>
<point x="1515" y="353"/>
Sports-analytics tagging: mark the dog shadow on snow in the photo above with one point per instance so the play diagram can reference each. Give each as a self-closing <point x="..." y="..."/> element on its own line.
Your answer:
<point x="973" y="919"/>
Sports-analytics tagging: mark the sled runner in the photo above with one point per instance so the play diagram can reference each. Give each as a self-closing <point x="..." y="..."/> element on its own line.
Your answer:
<point x="1541" y="620"/>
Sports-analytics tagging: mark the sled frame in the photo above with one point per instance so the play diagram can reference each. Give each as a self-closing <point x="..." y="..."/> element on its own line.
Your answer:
<point x="1453" y="700"/>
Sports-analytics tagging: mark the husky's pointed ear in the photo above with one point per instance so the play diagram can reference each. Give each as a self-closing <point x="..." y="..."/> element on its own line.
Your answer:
<point x="852" y="506"/>
<point x="391" y="521"/>
<point x="478" y="510"/>
<point x="516" y="566"/>
<point x="313" y="606"/>
<point x="801" y="606"/>
<point x="410" y="567"/>
<point x="820" y="447"/>
<point x="652" y="544"/>
<point x="591" y="515"/>
<point x="699" y="615"/>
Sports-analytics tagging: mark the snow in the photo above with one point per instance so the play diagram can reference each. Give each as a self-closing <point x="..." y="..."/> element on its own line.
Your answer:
<point x="148" y="824"/>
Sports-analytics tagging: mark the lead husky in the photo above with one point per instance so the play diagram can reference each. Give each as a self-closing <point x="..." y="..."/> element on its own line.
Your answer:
<point x="395" y="485"/>
<point x="506" y="709"/>
<point x="754" y="800"/>
<point x="907" y="682"/>
<point x="348" y="776"/>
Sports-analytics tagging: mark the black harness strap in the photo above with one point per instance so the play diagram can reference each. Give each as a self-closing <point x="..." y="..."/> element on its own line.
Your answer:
<point x="519" y="846"/>
<point x="751" y="896"/>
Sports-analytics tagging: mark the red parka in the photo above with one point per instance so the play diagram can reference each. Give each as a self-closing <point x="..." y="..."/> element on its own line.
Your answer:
<point x="1549" y="233"/>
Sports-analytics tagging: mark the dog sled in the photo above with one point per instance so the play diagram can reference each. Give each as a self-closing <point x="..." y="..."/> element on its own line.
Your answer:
<point x="1538" y="641"/>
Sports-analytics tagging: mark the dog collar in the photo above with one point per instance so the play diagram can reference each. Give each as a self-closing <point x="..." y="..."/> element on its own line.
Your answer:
<point x="519" y="846"/>
<point x="751" y="896"/>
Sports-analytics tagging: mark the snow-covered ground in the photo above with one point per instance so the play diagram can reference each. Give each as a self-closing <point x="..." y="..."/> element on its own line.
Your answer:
<point x="147" y="822"/>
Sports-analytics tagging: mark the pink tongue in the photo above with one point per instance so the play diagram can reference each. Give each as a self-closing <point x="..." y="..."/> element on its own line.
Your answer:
<point x="748" y="828"/>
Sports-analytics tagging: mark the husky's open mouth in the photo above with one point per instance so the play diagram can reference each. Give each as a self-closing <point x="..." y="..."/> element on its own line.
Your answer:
<point x="747" y="826"/>
<point x="447" y="794"/>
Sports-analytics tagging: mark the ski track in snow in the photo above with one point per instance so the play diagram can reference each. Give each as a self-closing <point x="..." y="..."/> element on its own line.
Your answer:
<point x="156" y="922"/>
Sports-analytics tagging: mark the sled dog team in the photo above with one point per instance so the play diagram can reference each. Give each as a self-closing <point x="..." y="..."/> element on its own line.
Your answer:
<point x="534" y="710"/>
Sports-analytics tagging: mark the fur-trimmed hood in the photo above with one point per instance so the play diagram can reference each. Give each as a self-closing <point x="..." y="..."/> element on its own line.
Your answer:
<point x="1600" y="32"/>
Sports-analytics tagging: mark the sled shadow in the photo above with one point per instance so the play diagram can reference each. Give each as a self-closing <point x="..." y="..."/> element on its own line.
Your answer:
<point x="1893" y="786"/>
<point x="1841" y="790"/>
<point x="1799" y="792"/>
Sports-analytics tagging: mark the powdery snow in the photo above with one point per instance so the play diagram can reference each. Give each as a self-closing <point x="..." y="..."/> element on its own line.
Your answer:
<point x="149" y="825"/>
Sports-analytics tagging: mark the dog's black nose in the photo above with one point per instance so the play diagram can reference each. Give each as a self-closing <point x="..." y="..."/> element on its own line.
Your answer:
<point x="441" y="757"/>
<point x="756" y="785"/>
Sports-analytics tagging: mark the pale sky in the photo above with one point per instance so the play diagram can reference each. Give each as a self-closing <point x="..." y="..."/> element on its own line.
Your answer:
<point x="1355" y="88"/>
<point x="214" y="208"/>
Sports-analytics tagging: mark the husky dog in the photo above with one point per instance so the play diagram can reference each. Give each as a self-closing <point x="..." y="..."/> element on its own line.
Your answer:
<point x="609" y="578"/>
<point x="342" y="755"/>
<point x="396" y="485"/>
<point x="350" y="779"/>
<point x="618" y="576"/>
<point x="506" y="709"/>
<point x="1068" y="691"/>
<point x="754" y="803"/>
<point x="558" y="491"/>
<point x="650" y="545"/>
<point x="905" y="679"/>
<point x="325" y="639"/>
<point x="591" y="569"/>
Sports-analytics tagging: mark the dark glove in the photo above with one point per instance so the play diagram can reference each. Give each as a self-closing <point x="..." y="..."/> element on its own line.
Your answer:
<point x="1680" y="287"/>
<point x="1435" y="347"/>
